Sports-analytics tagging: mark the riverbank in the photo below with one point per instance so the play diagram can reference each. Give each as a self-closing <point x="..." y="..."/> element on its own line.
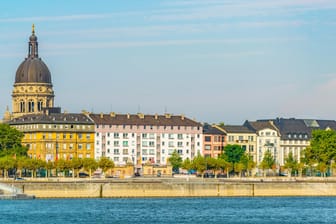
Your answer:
<point x="174" y="187"/>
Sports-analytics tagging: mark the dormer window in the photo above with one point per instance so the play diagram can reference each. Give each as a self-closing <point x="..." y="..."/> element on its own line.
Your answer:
<point x="289" y="136"/>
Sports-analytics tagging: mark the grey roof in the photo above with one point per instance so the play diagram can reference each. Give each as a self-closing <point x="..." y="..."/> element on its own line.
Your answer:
<point x="141" y="119"/>
<point x="237" y="129"/>
<point x="293" y="129"/>
<point x="211" y="130"/>
<point x="300" y="129"/>
<point x="33" y="69"/>
<point x="57" y="118"/>
<point x="259" y="125"/>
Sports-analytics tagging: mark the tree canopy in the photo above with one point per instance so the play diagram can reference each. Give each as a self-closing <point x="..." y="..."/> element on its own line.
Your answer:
<point x="175" y="160"/>
<point x="10" y="142"/>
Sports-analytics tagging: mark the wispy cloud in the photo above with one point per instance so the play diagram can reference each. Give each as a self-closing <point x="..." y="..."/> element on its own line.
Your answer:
<point x="125" y="44"/>
<point x="67" y="17"/>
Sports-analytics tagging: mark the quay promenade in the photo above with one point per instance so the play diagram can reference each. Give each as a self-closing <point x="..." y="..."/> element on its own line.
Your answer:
<point x="175" y="187"/>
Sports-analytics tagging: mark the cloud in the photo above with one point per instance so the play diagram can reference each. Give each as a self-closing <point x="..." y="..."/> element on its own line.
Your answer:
<point x="197" y="10"/>
<point x="67" y="17"/>
<point x="178" y="42"/>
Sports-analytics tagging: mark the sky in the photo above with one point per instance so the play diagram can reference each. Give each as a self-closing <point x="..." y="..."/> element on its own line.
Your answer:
<point x="211" y="60"/>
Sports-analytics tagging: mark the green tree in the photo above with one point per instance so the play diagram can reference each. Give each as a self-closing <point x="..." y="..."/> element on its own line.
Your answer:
<point x="239" y="167"/>
<point x="199" y="164"/>
<point x="248" y="162"/>
<point x="290" y="163"/>
<point x="186" y="164"/>
<point x="268" y="162"/>
<point x="90" y="165"/>
<point x="212" y="164"/>
<point x="33" y="165"/>
<point x="7" y="163"/>
<point x="176" y="161"/>
<point x="76" y="164"/>
<point x="49" y="166"/>
<point x="233" y="154"/>
<point x="63" y="166"/>
<point x="105" y="163"/>
<point x="10" y="142"/>
<point x="322" y="149"/>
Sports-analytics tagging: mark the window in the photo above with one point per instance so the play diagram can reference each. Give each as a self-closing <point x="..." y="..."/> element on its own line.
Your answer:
<point x="180" y="151"/>
<point x="151" y="144"/>
<point x="125" y="143"/>
<point x="80" y="146"/>
<point x="22" y="107"/>
<point x="171" y="136"/>
<point x="207" y="138"/>
<point x="231" y="138"/>
<point x="125" y="135"/>
<point x="80" y="136"/>
<point x="116" y="151"/>
<point x="31" y="106"/>
<point x="88" y="146"/>
<point x="87" y="136"/>
<point x="125" y="151"/>
<point x="144" y="136"/>
<point x="207" y="147"/>
<point x="116" y="143"/>
<point x="39" y="105"/>
<point x="179" y="144"/>
<point x="179" y="136"/>
<point x="171" y="144"/>
<point x="144" y="143"/>
<point x="116" y="135"/>
<point x="71" y="146"/>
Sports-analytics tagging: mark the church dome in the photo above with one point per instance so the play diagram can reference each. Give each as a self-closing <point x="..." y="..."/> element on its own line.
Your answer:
<point x="33" y="69"/>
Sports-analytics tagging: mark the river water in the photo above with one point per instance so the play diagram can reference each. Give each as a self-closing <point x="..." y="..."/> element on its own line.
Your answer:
<point x="171" y="210"/>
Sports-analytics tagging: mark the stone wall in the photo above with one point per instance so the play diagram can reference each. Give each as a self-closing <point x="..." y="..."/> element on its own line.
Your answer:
<point x="174" y="188"/>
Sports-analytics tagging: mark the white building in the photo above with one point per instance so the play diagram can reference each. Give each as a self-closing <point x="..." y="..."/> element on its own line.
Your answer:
<point x="140" y="138"/>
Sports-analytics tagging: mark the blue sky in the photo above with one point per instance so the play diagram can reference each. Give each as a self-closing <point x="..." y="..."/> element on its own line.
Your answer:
<point x="212" y="60"/>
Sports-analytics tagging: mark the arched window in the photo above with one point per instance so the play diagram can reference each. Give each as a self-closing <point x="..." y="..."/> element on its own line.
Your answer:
<point x="40" y="105"/>
<point x="31" y="106"/>
<point x="22" y="107"/>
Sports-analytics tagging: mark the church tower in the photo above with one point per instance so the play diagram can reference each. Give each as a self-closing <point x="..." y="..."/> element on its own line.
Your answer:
<point x="33" y="90"/>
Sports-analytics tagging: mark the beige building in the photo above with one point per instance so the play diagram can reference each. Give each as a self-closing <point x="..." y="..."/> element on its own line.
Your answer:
<point x="243" y="136"/>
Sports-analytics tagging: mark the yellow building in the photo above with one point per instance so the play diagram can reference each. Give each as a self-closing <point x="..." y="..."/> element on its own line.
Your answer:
<point x="57" y="135"/>
<point x="243" y="136"/>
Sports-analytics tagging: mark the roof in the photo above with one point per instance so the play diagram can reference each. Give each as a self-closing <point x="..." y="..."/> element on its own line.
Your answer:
<point x="141" y="119"/>
<point x="212" y="130"/>
<point x="298" y="129"/>
<point x="237" y="129"/>
<point x="33" y="69"/>
<point x="259" y="125"/>
<point x="292" y="128"/>
<point x="57" y="118"/>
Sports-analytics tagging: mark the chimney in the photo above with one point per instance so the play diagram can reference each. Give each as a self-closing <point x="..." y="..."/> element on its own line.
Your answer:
<point x="128" y="116"/>
<point x="141" y="115"/>
<point x="112" y="114"/>
<point x="101" y="115"/>
<point x="156" y="116"/>
<point x="182" y="117"/>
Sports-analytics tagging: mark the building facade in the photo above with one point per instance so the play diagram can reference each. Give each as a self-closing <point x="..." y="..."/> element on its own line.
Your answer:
<point x="145" y="138"/>
<point x="33" y="89"/>
<point x="268" y="139"/>
<point x="213" y="141"/>
<point x="243" y="136"/>
<point x="53" y="136"/>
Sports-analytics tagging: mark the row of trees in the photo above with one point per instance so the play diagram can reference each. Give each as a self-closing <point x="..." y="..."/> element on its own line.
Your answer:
<point x="233" y="160"/>
<point x="24" y="164"/>
<point x="319" y="158"/>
